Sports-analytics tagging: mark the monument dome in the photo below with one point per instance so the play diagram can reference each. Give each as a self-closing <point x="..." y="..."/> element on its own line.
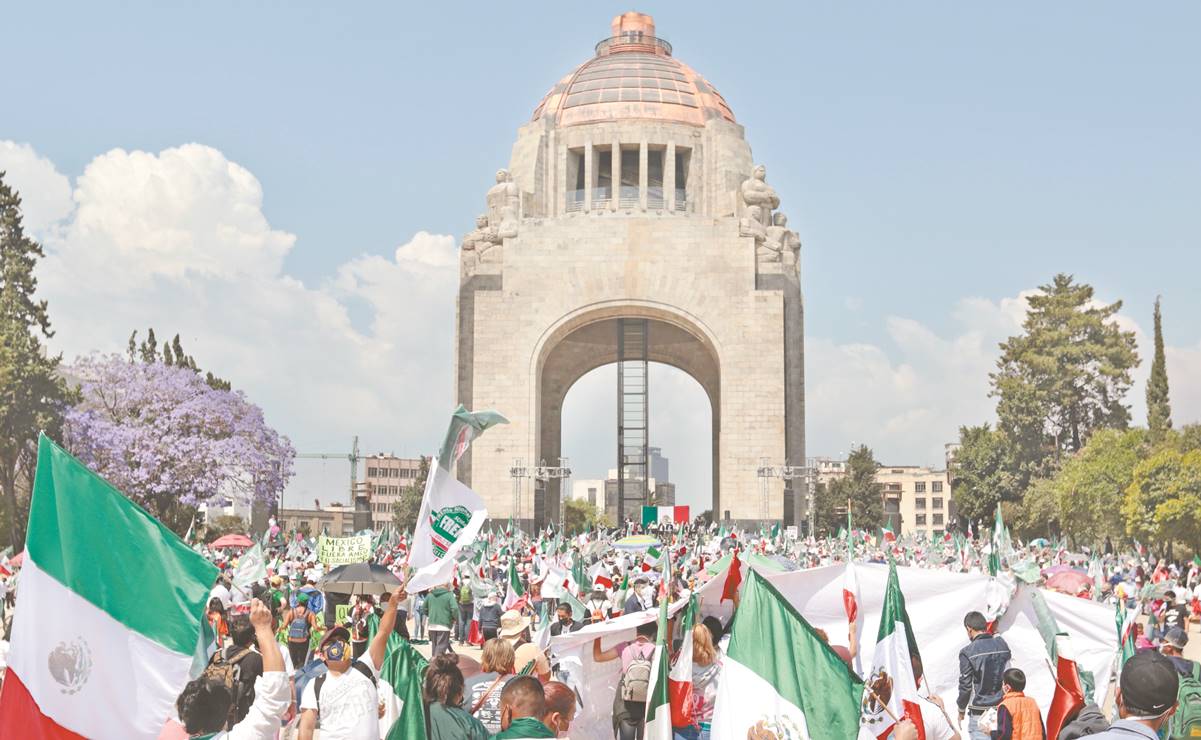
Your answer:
<point x="633" y="75"/>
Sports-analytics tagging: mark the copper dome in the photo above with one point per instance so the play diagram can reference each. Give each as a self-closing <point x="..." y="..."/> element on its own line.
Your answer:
<point x="632" y="76"/>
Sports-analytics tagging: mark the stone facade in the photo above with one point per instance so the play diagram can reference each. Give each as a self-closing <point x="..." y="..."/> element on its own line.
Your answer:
<point x="551" y="267"/>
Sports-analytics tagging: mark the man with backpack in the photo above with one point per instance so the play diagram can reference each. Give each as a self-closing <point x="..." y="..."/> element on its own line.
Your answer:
<point x="629" y="702"/>
<point x="300" y="622"/>
<point x="345" y="701"/>
<point x="466" y="610"/>
<point x="236" y="667"/>
<point x="1186" y="722"/>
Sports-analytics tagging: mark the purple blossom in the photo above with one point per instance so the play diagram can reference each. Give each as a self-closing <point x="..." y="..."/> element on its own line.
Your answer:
<point x="167" y="440"/>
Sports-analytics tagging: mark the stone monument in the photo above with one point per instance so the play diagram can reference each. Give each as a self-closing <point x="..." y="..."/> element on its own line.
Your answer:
<point x="571" y="268"/>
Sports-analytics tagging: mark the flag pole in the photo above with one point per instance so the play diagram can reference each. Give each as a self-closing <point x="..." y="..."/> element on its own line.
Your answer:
<point x="867" y="687"/>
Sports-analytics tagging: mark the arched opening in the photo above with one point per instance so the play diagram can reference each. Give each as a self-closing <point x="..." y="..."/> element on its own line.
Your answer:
<point x="681" y="427"/>
<point x="581" y="343"/>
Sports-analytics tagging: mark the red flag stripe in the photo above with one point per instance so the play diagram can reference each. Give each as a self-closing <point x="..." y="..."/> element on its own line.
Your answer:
<point x="20" y="715"/>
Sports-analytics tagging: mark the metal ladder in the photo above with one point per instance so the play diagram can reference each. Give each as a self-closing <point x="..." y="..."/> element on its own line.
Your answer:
<point x="633" y="417"/>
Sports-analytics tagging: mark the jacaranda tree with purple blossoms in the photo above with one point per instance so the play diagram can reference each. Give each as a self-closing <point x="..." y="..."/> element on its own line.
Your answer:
<point x="169" y="441"/>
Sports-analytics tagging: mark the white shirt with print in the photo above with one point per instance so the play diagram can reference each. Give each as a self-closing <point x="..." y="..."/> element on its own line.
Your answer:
<point x="349" y="703"/>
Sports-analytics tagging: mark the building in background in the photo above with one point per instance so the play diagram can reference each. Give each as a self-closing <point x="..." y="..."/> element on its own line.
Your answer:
<point x="335" y="519"/>
<point x="658" y="464"/>
<point x="386" y="477"/>
<point x="916" y="499"/>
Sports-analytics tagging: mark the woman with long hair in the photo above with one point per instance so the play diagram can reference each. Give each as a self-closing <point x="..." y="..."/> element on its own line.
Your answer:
<point x="445" y="718"/>
<point x="706" y="672"/>
<point x="481" y="697"/>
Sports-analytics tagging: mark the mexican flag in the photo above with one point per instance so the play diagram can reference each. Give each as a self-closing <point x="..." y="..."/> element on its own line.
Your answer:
<point x="779" y="679"/>
<point x="1001" y="546"/>
<point x="451" y="513"/>
<point x="887" y="536"/>
<point x="110" y="616"/>
<point x="651" y="559"/>
<point x="658" y="695"/>
<point x="664" y="514"/>
<point x="891" y="675"/>
<point x="515" y="592"/>
<point x="400" y="680"/>
<point x="679" y="681"/>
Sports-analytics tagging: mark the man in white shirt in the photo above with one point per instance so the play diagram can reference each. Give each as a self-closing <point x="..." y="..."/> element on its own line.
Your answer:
<point x="346" y="698"/>
<point x="221" y="591"/>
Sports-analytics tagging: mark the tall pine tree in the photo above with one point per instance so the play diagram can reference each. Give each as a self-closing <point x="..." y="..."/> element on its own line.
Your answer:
<point x="1159" y="411"/>
<point x="32" y="395"/>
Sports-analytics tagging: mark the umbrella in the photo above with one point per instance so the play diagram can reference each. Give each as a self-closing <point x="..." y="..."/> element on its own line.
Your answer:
<point x="359" y="578"/>
<point x="1039" y="542"/>
<point x="231" y="540"/>
<point x="1055" y="570"/>
<point x="1070" y="582"/>
<point x="636" y="542"/>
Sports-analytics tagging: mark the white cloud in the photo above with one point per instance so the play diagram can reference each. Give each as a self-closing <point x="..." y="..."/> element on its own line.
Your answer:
<point x="178" y="241"/>
<point x="45" y="192"/>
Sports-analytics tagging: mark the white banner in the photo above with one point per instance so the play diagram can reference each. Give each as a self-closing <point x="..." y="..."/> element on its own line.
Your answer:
<point x="344" y="550"/>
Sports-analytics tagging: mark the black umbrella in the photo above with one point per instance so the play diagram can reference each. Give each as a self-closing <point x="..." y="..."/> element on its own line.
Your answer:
<point x="359" y="578"/>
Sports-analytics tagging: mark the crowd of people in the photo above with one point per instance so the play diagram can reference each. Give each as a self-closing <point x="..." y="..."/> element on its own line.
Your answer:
<point x="289" y="656"/>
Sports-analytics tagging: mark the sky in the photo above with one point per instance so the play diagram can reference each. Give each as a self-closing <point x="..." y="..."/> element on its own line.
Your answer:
<point x="285" y="184"/>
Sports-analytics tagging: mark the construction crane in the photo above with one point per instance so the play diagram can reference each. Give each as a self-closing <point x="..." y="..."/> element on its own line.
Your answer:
<point x="353" y="458"/>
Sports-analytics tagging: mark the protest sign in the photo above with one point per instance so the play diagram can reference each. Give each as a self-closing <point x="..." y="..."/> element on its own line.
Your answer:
<point x="344" y="550"/>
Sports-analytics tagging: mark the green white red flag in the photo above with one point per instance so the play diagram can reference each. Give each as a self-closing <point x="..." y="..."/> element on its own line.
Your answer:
<point x="891" y="674"/>
<point x="658" y="696"/>
<point x="451" y="513"/>
<point x="110" y="616"/>
<point x="679" y="680"/>
<point x="779" y="678"/>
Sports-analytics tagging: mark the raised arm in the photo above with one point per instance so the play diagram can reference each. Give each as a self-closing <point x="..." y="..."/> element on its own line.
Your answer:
<point x="603" y="656"/>
<point x="379" y="644"/>
<point x="260" y="618"/>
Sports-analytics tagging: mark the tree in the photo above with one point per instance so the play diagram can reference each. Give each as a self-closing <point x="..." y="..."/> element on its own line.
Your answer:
<point x="859" y="486"/>
<point x="33" y="397"/>
<point x="1163" y="501"/>
<point x="1090" y="487"/>
<point x="172" y="354"/>
<point x="223" y="525"/>
<point x="408" y="506"/>
<point x="170" y="442"/>
<point x="1067" y="375"/>
<point x="1159" y="410"/>
<point x="826" y="506"/>
<point x="579" y="515"/>
<point x="984" y="473"/>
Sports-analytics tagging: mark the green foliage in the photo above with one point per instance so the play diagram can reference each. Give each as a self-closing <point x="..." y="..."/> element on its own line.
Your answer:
<point x="579" y="515"/>
<point x="1084" y="499"/>
<point x="223" y="525"/>
<point x="1163" y="501"/>
<point x="859" y="486"/>
<point x="1066" y="376"/>
<point x="827" y="516"/>
<point x="985" y="472"/>
<point x="33" y="397"/>
<point x="408" y="506"/>
<point x="172" y="354"/>
<point x="1159" y="410"/>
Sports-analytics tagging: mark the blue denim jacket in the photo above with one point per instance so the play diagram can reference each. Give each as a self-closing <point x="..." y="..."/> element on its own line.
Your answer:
<point x="981" y="663"/>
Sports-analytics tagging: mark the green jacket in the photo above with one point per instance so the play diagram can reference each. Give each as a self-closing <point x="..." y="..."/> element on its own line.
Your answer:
<point x="440" y="607"/>
<point x="452" y="723"/>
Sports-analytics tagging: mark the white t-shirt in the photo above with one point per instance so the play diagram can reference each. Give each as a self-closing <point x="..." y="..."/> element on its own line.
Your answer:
<point x="938" y="727"/>
<point x="220" y="592"/>
<point x="349" y="703"/>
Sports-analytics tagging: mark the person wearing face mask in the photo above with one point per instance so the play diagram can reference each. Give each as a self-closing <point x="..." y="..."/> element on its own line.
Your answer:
<point x="561" y="705"/>
<point x="1146" y="698"/>
<point x="565" y="622"/>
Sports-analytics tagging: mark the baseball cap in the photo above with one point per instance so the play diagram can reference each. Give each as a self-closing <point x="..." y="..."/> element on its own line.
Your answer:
<point x="1149" y="684"/>
<point x="1176" y="637"/>
<point x="334" y="634"/>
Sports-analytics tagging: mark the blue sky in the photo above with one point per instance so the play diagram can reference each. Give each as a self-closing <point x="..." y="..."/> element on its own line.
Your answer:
<point x="936" y="158"/>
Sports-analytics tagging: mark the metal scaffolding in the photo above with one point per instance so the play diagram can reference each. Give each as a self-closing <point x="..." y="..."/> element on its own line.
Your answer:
<point x="633" y="418"/>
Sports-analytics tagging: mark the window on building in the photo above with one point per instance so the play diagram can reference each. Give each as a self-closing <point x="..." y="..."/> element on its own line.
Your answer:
<point x="372" y="472"/>
<point x="602" y="173"/>
<point x="655" y="198"/>
<point x="938" y="533"/>
<point x="919" y="519"/>
<point x="592" y="496"/>
<point x="938" y="520"/>
<point x="575" y="180"/>
<point x="919" y="486"/>
<point x="683" y="157"/>
<point x="936" y="486"/>
<point x="937" y="502"/>
<point x="631" y="175"/>
<point x="919" y="504"/>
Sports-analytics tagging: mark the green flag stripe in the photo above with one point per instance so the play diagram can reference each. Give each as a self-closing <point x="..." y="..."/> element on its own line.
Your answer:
<point x="86" y="535"/>
<point x="893" y="610"/>
<point x="770" y="637"/>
